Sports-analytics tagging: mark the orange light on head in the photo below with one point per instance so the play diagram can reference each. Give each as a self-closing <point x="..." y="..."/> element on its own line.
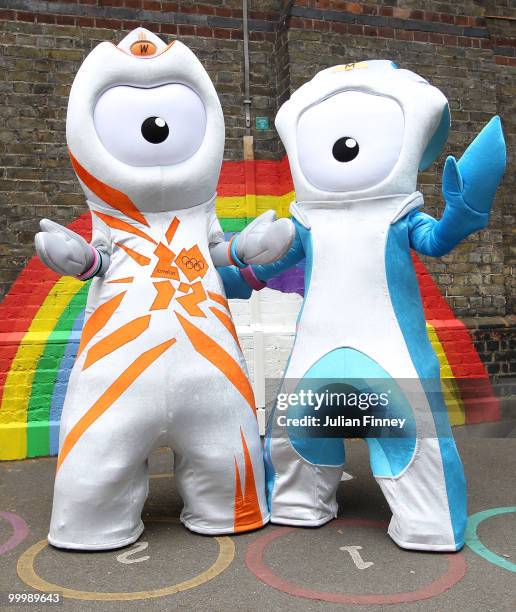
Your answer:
<point x="143" y="48"/>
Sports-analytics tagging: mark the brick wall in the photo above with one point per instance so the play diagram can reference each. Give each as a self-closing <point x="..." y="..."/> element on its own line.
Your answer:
<point x="467" y="48"/>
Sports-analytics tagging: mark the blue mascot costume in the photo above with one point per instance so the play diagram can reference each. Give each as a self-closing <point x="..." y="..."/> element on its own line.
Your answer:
<point x="356" y="136"/>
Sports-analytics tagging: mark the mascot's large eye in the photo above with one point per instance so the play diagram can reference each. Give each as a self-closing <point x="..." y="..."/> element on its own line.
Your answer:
<point x="349" y="141"/>
<point x="160" y="126"/>
<point x="345" y="149"/>
<point x="155" y="130"/>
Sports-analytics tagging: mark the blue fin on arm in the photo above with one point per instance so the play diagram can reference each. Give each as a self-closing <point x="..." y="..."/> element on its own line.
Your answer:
<point x="469" y="187"/>
<point x="482" y="166"/>
<point x="436" y="238"/>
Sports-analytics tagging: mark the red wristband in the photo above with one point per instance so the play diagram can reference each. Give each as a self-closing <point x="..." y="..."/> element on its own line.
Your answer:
<point x="251" y="279"/>
<point x="93" y="269"/>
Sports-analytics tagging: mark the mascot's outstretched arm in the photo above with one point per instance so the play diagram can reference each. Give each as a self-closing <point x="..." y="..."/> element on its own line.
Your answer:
<point x="288" y="248"/>
<point x="258" y="253"/>
<point x="68" y="254"/>
<point x="469" y="187"/>
<point x="266" y="240"/>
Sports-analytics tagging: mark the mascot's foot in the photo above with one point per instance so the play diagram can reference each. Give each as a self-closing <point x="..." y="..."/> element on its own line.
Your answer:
<point x="221" y="531"/>
<point x="427" y="545"/>
<point x="97" y="545"/>
<point x="280" y="520"/>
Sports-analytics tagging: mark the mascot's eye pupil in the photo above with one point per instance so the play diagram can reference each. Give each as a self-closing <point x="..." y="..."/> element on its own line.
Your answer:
<point x="155" y="130"/>
<point x="345" y="149"/>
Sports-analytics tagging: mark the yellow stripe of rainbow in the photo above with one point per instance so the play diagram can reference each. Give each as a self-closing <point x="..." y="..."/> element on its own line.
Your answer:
<point x="451" y="392"/>
<point x="17" y="389"/>
<point x="236" y="207"/>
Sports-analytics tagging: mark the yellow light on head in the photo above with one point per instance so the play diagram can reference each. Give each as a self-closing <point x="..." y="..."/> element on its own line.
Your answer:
<point x="350" y="66"/>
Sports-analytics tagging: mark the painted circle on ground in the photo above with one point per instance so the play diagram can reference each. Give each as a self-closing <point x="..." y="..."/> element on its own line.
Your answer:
<point x="20" y="531"/>
<point x="254" y="559"/>
<point x="27" y="573"/>
<point x="473" y="541"/>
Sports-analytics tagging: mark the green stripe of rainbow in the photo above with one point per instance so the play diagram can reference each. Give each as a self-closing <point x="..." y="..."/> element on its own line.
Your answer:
<point x="37" y="315"/>
<point x="40" y="400"/>
<point x="19" y="381"/>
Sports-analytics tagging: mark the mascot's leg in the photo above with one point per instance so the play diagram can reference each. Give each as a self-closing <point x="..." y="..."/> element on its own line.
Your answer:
<point x="102" y="476"/>
<point x="422" y="479"/>
<point x="302" y="477"/>
<point x="218" y="465"/>
<point x="303" y="469"/>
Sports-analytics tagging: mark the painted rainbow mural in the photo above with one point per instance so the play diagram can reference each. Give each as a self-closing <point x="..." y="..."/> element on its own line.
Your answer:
<point x="41" y="320"/>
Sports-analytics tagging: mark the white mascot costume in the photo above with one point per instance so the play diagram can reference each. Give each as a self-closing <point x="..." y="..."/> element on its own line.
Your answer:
<point x="159" y="362"/>
<point x="355" y="137"/>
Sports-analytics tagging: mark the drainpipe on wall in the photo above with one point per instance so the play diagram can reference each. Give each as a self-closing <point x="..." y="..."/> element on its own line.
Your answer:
<point x="250" y="203"/>
<point x="250" y="187"/>
<point x="247" y="95"/>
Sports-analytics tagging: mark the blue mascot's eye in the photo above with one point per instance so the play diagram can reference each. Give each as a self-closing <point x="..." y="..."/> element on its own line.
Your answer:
<point x="345" y="149"/>
<point x="155" y="130"/>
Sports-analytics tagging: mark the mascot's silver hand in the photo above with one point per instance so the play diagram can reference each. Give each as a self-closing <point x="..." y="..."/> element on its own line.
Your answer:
<point x="264" y="240"/>
<point x="62" y="250"/>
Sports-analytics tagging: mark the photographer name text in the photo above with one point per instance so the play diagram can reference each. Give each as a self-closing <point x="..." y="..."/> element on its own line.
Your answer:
<point x="339" y="421"/>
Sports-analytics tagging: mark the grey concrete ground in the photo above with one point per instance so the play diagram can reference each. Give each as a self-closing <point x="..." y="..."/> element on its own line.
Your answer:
<point x="310" y="558"/>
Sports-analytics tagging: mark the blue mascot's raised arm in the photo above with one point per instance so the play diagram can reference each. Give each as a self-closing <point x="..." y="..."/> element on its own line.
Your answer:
<point x="469" y="186"/>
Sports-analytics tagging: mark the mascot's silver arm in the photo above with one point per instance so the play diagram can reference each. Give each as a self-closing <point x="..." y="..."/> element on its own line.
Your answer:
<point x="264" y="240"/>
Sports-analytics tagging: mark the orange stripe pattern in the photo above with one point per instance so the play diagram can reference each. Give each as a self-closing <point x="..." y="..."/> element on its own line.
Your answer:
<point x="227" y="321"/>
<point x="121" y="384"/>
<point x="247" y="508"/>
<point x="116" y="199"/>
<point x="222" y="360"/>
<point x="164" y="267"/>
<point x="98" y="319"/>
<point x="127" y="279"/>
<point x="190" y="302"/>
<point x="140" y="259"/>
<point x="220" y="299"/>
<point x="172" y="229"/>
<point x="128" y="332"/>
<point x="165" y="294"/>
<point x="119" y="224"/>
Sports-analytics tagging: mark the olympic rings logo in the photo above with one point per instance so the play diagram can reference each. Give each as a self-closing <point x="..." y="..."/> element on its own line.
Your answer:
<point x="191" y="263"/>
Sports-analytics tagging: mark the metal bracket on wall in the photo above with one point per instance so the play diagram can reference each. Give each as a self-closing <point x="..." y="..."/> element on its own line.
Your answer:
<point x="247" y="94"/>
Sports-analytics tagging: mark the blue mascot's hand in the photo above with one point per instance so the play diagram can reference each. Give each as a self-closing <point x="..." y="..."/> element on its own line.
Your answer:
<point x="469" y="187"/>
<point x="473" y="180"/>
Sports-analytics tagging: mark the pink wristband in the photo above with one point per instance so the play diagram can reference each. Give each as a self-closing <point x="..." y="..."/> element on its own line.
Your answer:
<point x="251" y="279"/>
<point x="93" y="269"/>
